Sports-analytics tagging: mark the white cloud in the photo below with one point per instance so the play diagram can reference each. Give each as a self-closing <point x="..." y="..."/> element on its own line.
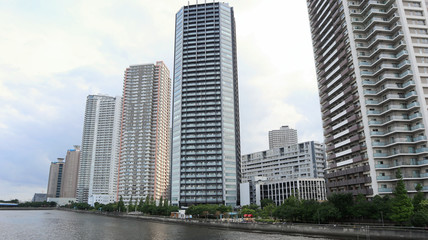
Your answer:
<point x="55" y="53"/>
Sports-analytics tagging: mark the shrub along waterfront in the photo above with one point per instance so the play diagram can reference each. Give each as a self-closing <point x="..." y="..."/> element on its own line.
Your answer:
<point x="147" y="206"/>
<point x="399" y="209"/>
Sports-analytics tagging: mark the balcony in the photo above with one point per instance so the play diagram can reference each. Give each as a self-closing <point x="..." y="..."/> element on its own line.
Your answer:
<point x="402" y="164"/>
<point x="396" y="118"/>
<point x="385" y="190"/>
<point x="383" y="177"/>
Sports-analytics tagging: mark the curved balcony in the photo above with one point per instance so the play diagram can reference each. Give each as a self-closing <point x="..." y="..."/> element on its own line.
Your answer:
<point x="375" y="11"/>
<point x="393" y="108"/>
<point x="391" y="178"/>
<point x="398" y="130"/>
<point x="397" y="153"/>
<point x="416" y="116"/>
<point x="399" y="141"/>
<point x="370" y="4"/>
<point x="407" y="164"/>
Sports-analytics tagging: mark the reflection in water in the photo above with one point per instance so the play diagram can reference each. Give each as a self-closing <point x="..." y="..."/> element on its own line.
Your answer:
<point x="62" y="225"/>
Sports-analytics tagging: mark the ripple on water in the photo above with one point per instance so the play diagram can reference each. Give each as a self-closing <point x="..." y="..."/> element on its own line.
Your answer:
<point x="40" y="224"/>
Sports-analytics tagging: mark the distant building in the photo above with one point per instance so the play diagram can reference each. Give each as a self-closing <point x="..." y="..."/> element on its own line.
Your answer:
<point x="144" y="139"/>
<point x="303" y="160"/>
<point x="259" y="188"/>
<point x="281" y="172"/>
<point x="283" y="137"/>
<point x="97" y="180"/>
<point x="39" y="197"/>
<point x="70" y="172"/>
<point x="55" y="178"/>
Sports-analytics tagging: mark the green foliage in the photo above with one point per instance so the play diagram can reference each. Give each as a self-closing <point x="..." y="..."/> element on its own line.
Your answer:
<point x="207" y="210"/>
<point x="111" y="207"/>
<point x="290" y="210"/>
<point x="327" y="212"/>
<point x="309" y="211"/>
<point x="82" y="206"/>
<point x="130" y="205"/>
<point x="267" y="211"/>
<point x="343" y="202"/>
<point x="418" y="198"/>
<point x="402" y="207"/>
<point x="120" y="205"/>
<point x="265" y="202"/>
<point x="420" y="219"/>
<point x="361" y="207"/>
<point x="36" y="204"/>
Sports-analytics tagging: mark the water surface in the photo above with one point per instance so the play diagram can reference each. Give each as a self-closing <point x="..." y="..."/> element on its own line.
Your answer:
<point x="53" y="224"/>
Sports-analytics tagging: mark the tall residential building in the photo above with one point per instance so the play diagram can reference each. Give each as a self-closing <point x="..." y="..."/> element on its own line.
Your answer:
<point x="70" y="173"/>
<point x="100" y="150"/>
<point x="282" y="137"/>
<point x="55" y="178"/>
<point x="206" y="138"/>
<point x="144" y="139"/>
<point x="372" y="66"/>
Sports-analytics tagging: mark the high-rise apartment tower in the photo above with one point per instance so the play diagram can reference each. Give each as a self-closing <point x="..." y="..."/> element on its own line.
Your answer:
<point x="55" y="178"/>
<point x="144" y="139"/>
<point x="206" y="138"/>
<point x="70" y="173"/>
<point x="97" y="180"/>
<point x="372" y="66"/>
<point x="283" y="137"/>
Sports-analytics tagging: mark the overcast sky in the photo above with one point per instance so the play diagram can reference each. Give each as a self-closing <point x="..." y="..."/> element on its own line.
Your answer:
<point x="56" y="52"/>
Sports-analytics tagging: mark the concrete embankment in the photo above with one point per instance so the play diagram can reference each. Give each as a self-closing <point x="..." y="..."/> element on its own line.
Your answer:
<point x="335" y="231"/>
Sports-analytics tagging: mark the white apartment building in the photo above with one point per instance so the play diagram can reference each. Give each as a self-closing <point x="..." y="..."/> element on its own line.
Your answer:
<point x="283" y="137"/>
<point x="372" y="66"/>
<point x="303" y="160"/>
<point x="97" y="180"/>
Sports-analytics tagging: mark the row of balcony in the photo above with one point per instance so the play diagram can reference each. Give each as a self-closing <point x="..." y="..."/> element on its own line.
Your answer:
<point x="395" y="118"/>
<point x="213" y="175"/>
<point x="405" y="177"/>
<point x="401" y="152"/>
<point x="399" y="140"/>
<point x="390" y="190"/>
<point x="385" y="67"/>
<point x="392" y="108"/>
<point x="397" y="129"/>
<point x="200" y="200"/>
<point x="378" y="38"/>
<point x="389" y="85"/>
<point x="408" y="163"/>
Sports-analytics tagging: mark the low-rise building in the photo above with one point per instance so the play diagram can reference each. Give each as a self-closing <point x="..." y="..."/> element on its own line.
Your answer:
<point x="281" y="172"/>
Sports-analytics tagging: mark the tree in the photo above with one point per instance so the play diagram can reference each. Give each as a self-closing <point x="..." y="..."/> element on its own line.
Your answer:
<point x="327" y="212"/>
<point x="140" y="205"/>
<point x="418" y="198"/>
<point x="265" y="202"/>
<point x="343" y="202"/>
<point x="361" y="207"/>
<point x="402" y="208"/>
<point x="130" y="206"/>
<point x="380" y="208"/>
<point x="309" y="211"/>
<point x="121" y="205"/>
<point x="289" y="210"/>
<point x="268" y="210"/>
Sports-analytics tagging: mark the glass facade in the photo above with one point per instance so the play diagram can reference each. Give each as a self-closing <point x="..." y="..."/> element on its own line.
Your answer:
<point x="205" y="143"/>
